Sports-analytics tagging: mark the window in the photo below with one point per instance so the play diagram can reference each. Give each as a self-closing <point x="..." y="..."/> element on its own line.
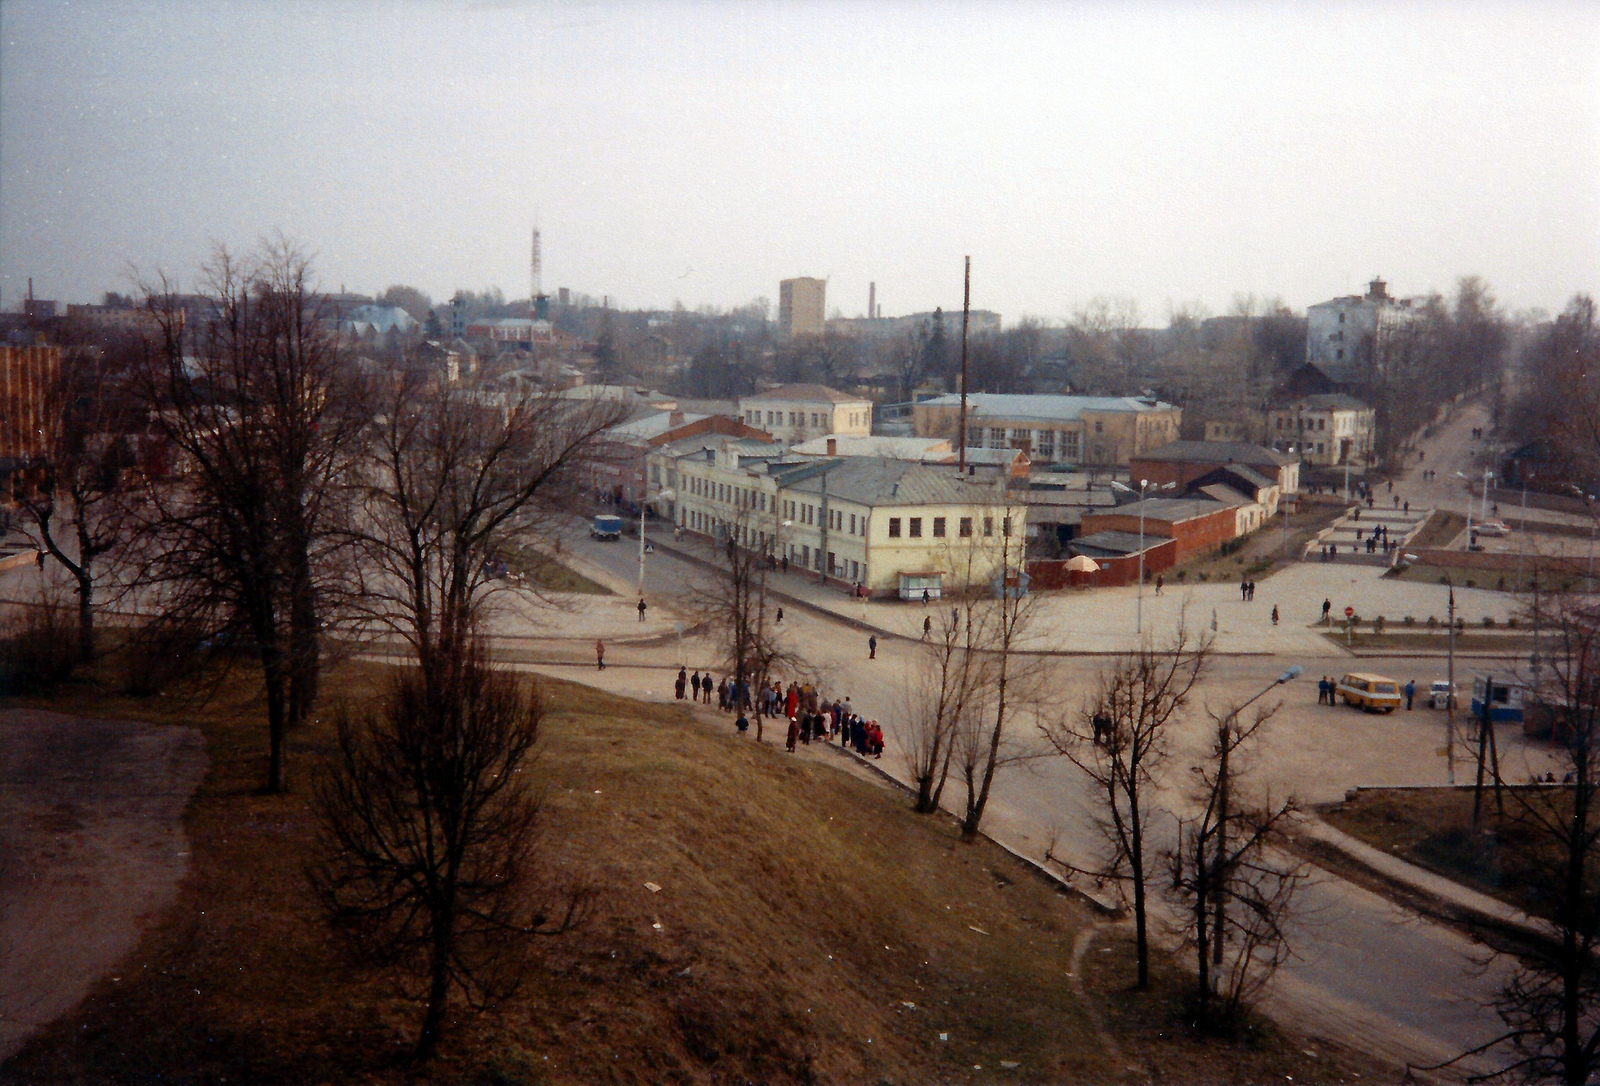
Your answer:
<point x="966" y="527"/>
<point x="655" y="474"/>
<point x="1322" y="424"/>
<point x="938" y="527"/>
<point x="1341" y="318"/>
<point x="997" y="437"/>
<point x="1099" y="427"/>
<point x="988" y="526"/>
<point x="894" y="527"/>
<point x="1339" y="354"/>
<point x="855" y="571"/>
<point x="974" y="437"/>
<point x="1047" y="444"/>
<point x="1021" y="439"/>
<point x="852" y="524"/>
<point x="816" y="558"/>
<point x="916" y="528"/>
<point x="1069" y="445"/>
<point x="832" y="565"/>
<point x="814" y="419"/>
<point x="805" y="556"/>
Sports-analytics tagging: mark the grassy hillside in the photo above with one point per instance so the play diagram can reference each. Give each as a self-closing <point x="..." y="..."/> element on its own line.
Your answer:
<point x="811" y="929"/>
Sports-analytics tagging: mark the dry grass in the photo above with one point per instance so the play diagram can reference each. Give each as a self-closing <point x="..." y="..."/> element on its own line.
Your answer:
<point x="1432" y="828"/>
<point x="801" y="911"/>
<point x="1439" y="529"/>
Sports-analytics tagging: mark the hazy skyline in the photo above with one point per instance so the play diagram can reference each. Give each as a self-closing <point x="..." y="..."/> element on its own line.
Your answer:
<point x="1176" y="154"/>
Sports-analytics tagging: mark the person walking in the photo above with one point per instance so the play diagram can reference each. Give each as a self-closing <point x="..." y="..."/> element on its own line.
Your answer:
<point x="1274" y="614"/>
<point x="599" y="655"/>
<point x="641" y="608"/>
<point x="1244" y="590"/>
<point x="694" y="684"/>
<point x="927" y="627"/>
<point x="1159" y="582"/>
<point x="677" y="687"/>
<point x="925" y="597"/>
<point x="1411" y="693"/>
<point x="780" y="617"/>
<point x="794" y="733"/>
<point x="872" y="647"/>
<point x="1322" y="690"/>
<point x="1327" y="606"/>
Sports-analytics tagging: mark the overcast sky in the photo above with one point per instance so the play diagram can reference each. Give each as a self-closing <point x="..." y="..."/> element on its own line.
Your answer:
<point x="1177" y="154"/>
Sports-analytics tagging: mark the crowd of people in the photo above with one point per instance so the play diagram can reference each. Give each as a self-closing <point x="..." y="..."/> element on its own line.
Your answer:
<point x="810" y="716"/>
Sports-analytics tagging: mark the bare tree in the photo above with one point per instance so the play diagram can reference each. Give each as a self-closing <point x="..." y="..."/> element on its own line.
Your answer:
<point x="77" y="510"/>
<point x="940" y="698"/>
<point x="429" y="813"/>
<point x="1118" y="739"/>
<point x="735" y="604"/>
<point x="452" y="479"/>
<point x="1551" y="1003"/>
<point x="1010" y="677"/>
<point x="249" y="391"/>
<point x="1228" y="875"/>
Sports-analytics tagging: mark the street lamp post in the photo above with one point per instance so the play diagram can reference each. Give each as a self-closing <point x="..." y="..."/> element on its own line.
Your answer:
<point x="1450" y="677"/>
<point x="1144" y="485"/>
<point x="1220" y="863"/>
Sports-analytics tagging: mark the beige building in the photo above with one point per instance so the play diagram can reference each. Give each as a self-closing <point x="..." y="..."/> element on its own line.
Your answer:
<point x="802" y="305"/>
<point x="1329" y="429"/>
<point x="1079" y="431"/>
<point x="796" y="413"/>
<point x="891" y="526"/>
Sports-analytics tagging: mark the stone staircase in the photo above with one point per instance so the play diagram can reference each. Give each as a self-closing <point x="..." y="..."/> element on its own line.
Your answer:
<point x="1349" y="534"/>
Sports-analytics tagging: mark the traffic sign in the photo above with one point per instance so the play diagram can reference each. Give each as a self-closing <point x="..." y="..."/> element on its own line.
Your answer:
<point x="1349" y="612"/>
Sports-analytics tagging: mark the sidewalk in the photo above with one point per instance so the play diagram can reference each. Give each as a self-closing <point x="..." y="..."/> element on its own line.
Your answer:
<point x="1451" y="898"/>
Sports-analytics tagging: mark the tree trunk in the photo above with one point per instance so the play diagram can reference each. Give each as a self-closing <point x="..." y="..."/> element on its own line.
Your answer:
<point x="969" y="828"/>
<point x="438" y="994"/>
<point x="85" y="613"/>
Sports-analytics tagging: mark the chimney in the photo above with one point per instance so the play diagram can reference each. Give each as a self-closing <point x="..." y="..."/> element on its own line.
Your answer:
<point x="833" y="446"/>
<point x="872" y="299"/>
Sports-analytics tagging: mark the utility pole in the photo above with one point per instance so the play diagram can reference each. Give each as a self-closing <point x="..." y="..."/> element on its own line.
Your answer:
<point x="966" y="312"/>
<point x="641" y="546"/>
<point x="1450" y="696"/>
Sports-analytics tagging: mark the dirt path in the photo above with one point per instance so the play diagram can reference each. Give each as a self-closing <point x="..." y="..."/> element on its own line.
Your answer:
<point x="91" y="848"/>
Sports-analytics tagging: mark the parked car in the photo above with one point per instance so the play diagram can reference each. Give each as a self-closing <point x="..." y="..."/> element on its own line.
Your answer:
<point x="1494" y="527"/>
<point x="1372" y="693"/>
<point x="1438" y="691"/>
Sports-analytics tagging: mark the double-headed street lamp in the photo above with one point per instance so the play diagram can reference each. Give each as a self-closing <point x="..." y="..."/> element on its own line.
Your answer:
<point x="1144" y="485"/>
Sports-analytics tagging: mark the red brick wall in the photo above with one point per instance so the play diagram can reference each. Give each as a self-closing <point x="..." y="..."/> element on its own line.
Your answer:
<point x="1196" y="535"/>
<point x="1113" y="572"/>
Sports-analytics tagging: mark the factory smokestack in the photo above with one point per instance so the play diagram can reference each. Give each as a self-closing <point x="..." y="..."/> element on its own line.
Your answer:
<point x="872" y="299"/>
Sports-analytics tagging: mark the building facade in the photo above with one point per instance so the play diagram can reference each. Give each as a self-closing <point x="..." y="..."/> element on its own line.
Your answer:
<point x="866" y="522"/>
<point x="1196" y="525"/>
<point x="796" y="413"/>
<point x="1328" y="430"/>
<point x="27" y="379"/>
<point x="802" y="306"/>
<point x="1346" y="338"/>
<point x="1078" y="431"/>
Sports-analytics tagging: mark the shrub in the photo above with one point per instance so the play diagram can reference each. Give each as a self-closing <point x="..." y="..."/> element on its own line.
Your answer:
<point x="1180" y="575"/>
<point x="1511" y="623"/>
<point x="40" y="654"/>
<point x="1471" y="583"/>
<point x="158" y="655"/>
<point x="1488" y="622"/>
<point x="1444" y="578"/>
<point x="1203" y="575"/>
<point x="1432" y="621"/>
<point x="1377" y="624"/>
<point x="1409" y="621"/>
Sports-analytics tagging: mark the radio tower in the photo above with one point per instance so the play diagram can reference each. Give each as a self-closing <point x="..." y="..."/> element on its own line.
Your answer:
<point x="538" y="304"/>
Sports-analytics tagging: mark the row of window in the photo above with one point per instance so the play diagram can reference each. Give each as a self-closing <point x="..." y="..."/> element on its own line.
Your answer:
<point x="964" y="527"/>
<point x="819" y="419"/>
<point x="1039" y="444"/>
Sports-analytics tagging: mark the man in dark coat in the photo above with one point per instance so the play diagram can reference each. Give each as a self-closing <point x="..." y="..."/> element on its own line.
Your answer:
<point x="683" y="680"/>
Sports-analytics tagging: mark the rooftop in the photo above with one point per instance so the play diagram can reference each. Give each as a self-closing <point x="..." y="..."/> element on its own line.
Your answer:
<point x="880" y="481"/>
<point x="1001" y="457"/>
<point x="895" y="448"/>
<point x="1170" y="510"/>
<point x="1326" y="401"/>
<point x="1044" y="408"/>
<point x="651" y="426"/>
<point x="1114" y="544"/>
<point x="805" y="394"/>
<point x="1218" y="452"/>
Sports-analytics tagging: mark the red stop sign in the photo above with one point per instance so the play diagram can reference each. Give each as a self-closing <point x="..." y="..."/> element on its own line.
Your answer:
<point x="1349" y="612"/>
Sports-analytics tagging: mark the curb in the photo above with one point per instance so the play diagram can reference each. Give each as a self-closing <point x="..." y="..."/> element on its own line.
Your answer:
<point x="1462" y="903"/>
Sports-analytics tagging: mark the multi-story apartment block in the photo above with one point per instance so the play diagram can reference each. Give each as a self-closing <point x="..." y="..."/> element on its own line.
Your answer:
<point x="1328" y="430"/>
<point x="802" y="305"/>
<point x="1081" y="431"/>
<point x="1347" y="338"/>
<point x="889" y="527"/>
<point x="796" y="413"/>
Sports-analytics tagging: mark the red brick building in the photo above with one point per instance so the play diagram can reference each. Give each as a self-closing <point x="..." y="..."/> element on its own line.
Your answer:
<point x="1196" y="525"/>
<point x="620" y="463"/>
<point x="1182" y="462"/>
<point x="27" y="375"/>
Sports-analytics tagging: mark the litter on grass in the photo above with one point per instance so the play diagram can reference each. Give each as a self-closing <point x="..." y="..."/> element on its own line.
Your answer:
<point x="652" y="887"/>
<point x="980" y="931"/>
